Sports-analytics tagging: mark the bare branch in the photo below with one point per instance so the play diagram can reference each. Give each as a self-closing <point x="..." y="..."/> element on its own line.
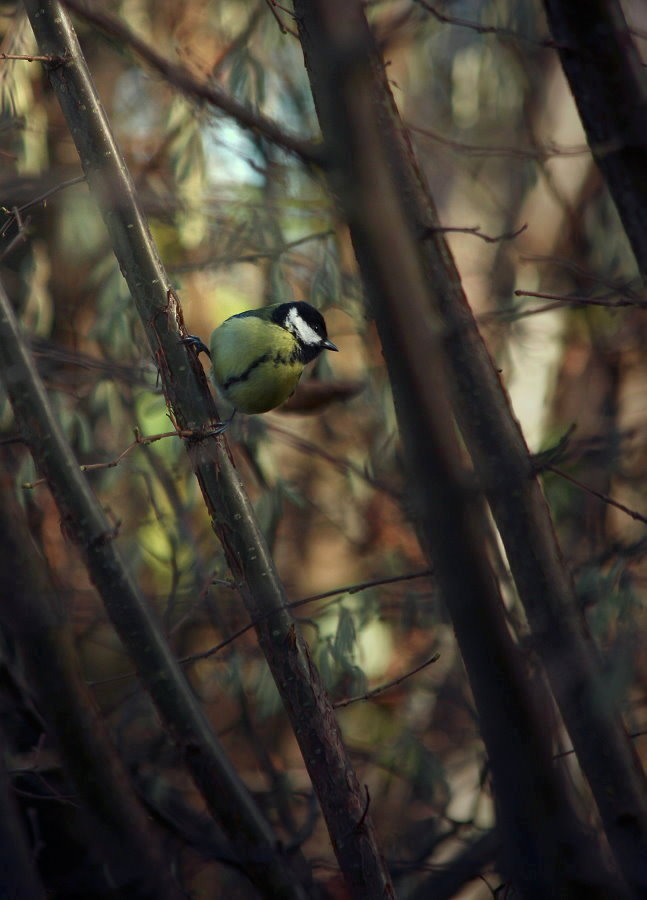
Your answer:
<point x="138" y="442"/>
<point x="272" y="5"/>
<point x="476" y="231"/>
<point x="295" y="604"/>
<point x="604" y="497"/>
<point x="232" y="516"/>
<point x="19" y="238"/>
<point x="361" y="114"/>
<point x="31" y="58"/>
<point x="548" y="151"/>
<point x="273" y="253"/>
<point x="446" y="19"/>
<point x="584" y="301"/>
<point x="606" y="76"/>
<point x="182" y="79"/>
<point x="389" y="684"/>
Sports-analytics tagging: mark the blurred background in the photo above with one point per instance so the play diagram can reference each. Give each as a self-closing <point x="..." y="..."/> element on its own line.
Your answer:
<point x="239" y="223"/>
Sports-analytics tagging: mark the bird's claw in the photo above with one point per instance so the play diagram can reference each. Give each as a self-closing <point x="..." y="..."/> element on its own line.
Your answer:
<point x="219" y="429"/>
<point x="194" y="341"/>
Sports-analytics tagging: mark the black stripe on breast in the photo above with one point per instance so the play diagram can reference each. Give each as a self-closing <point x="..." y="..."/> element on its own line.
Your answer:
<point x="248" y="371"/>
<point x="277" y="359"/>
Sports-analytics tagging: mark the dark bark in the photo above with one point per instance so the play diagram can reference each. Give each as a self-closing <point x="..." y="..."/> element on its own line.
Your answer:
<point x="460" y="871"/>
<point x="546" y="852"/>
<point x="85" y="522"/>
<point x="18" y="878"/>
<point x="504" y="469"/>
<point x="118" y="829"/>
<point x="609" y="85"/>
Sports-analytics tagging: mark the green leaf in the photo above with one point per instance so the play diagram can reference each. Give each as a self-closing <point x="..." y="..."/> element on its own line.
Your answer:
<point x="345" y="636"/>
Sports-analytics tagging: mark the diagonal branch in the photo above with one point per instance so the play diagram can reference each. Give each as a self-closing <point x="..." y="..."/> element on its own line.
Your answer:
<point x="410" y="321"/>
<point x="609" y="85"/>
<point x="182" y="79"/>
<point x="84" y="520"/>
<point x="119" y="830"/>
<point x="298" y="681"/>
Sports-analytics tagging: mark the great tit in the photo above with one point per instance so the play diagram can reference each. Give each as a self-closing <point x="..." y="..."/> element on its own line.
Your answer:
<point x="258" y="356"/>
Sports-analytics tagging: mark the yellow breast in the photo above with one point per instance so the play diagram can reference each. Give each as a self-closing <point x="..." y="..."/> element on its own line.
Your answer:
<point x="256" y="364"/>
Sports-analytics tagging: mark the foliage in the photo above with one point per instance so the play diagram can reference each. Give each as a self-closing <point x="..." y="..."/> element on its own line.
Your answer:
<point x="239" y="223"/>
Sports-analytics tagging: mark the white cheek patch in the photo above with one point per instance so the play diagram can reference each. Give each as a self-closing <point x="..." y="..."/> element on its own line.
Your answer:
<point x="299" y="327"/>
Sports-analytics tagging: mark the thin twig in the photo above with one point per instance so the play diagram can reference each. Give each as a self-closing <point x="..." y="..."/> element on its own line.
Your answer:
<point x="632" y="735"/>
<point x="18" y="238"/>
<point x="39" y="199"/>
<point x="341" y="591"/>
<point x="389" y="684"/>
<point x="295" y="604"/>
<point x="496" y="30"/>
<point x="138" y="442"/>
<point x="310" y="447"/>
<point x="584" y="301"/>
<point x="183" y="80"/>
<point x="618" y="287"/>
<point x="30" y="58"/>
<point x="604" y="497"/>
<point x="364" y="585"/>
<point x="546" y="151"/>
<point x="272" y="253"/>
<point x="476" y="232"/>
<point x="272" y="6"/>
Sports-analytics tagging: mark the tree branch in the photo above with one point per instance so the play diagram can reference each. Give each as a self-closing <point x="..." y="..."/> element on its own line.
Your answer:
<point x="84" y="520"/>
<point x="609" y="85"/>
<point x="232" y="516"/>
<point x="354" y="106"/>
<point x="118" y="827"/>
<point x="182" y="79"/>
<point x="504" y="467"/>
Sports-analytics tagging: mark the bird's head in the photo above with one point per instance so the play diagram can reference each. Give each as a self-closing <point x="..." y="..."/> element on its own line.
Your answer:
<point x="306" y="324"/>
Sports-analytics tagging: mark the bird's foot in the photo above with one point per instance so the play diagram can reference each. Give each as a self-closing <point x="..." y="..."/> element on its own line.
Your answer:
<point x="218" y="429"/>
<point x="194" y="341"/>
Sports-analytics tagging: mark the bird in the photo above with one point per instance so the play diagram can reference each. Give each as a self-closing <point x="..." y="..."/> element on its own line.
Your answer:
<point x="258" y="356"/>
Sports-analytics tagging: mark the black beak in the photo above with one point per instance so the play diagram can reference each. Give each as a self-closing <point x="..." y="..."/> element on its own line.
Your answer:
<point x="328" y="345"/>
